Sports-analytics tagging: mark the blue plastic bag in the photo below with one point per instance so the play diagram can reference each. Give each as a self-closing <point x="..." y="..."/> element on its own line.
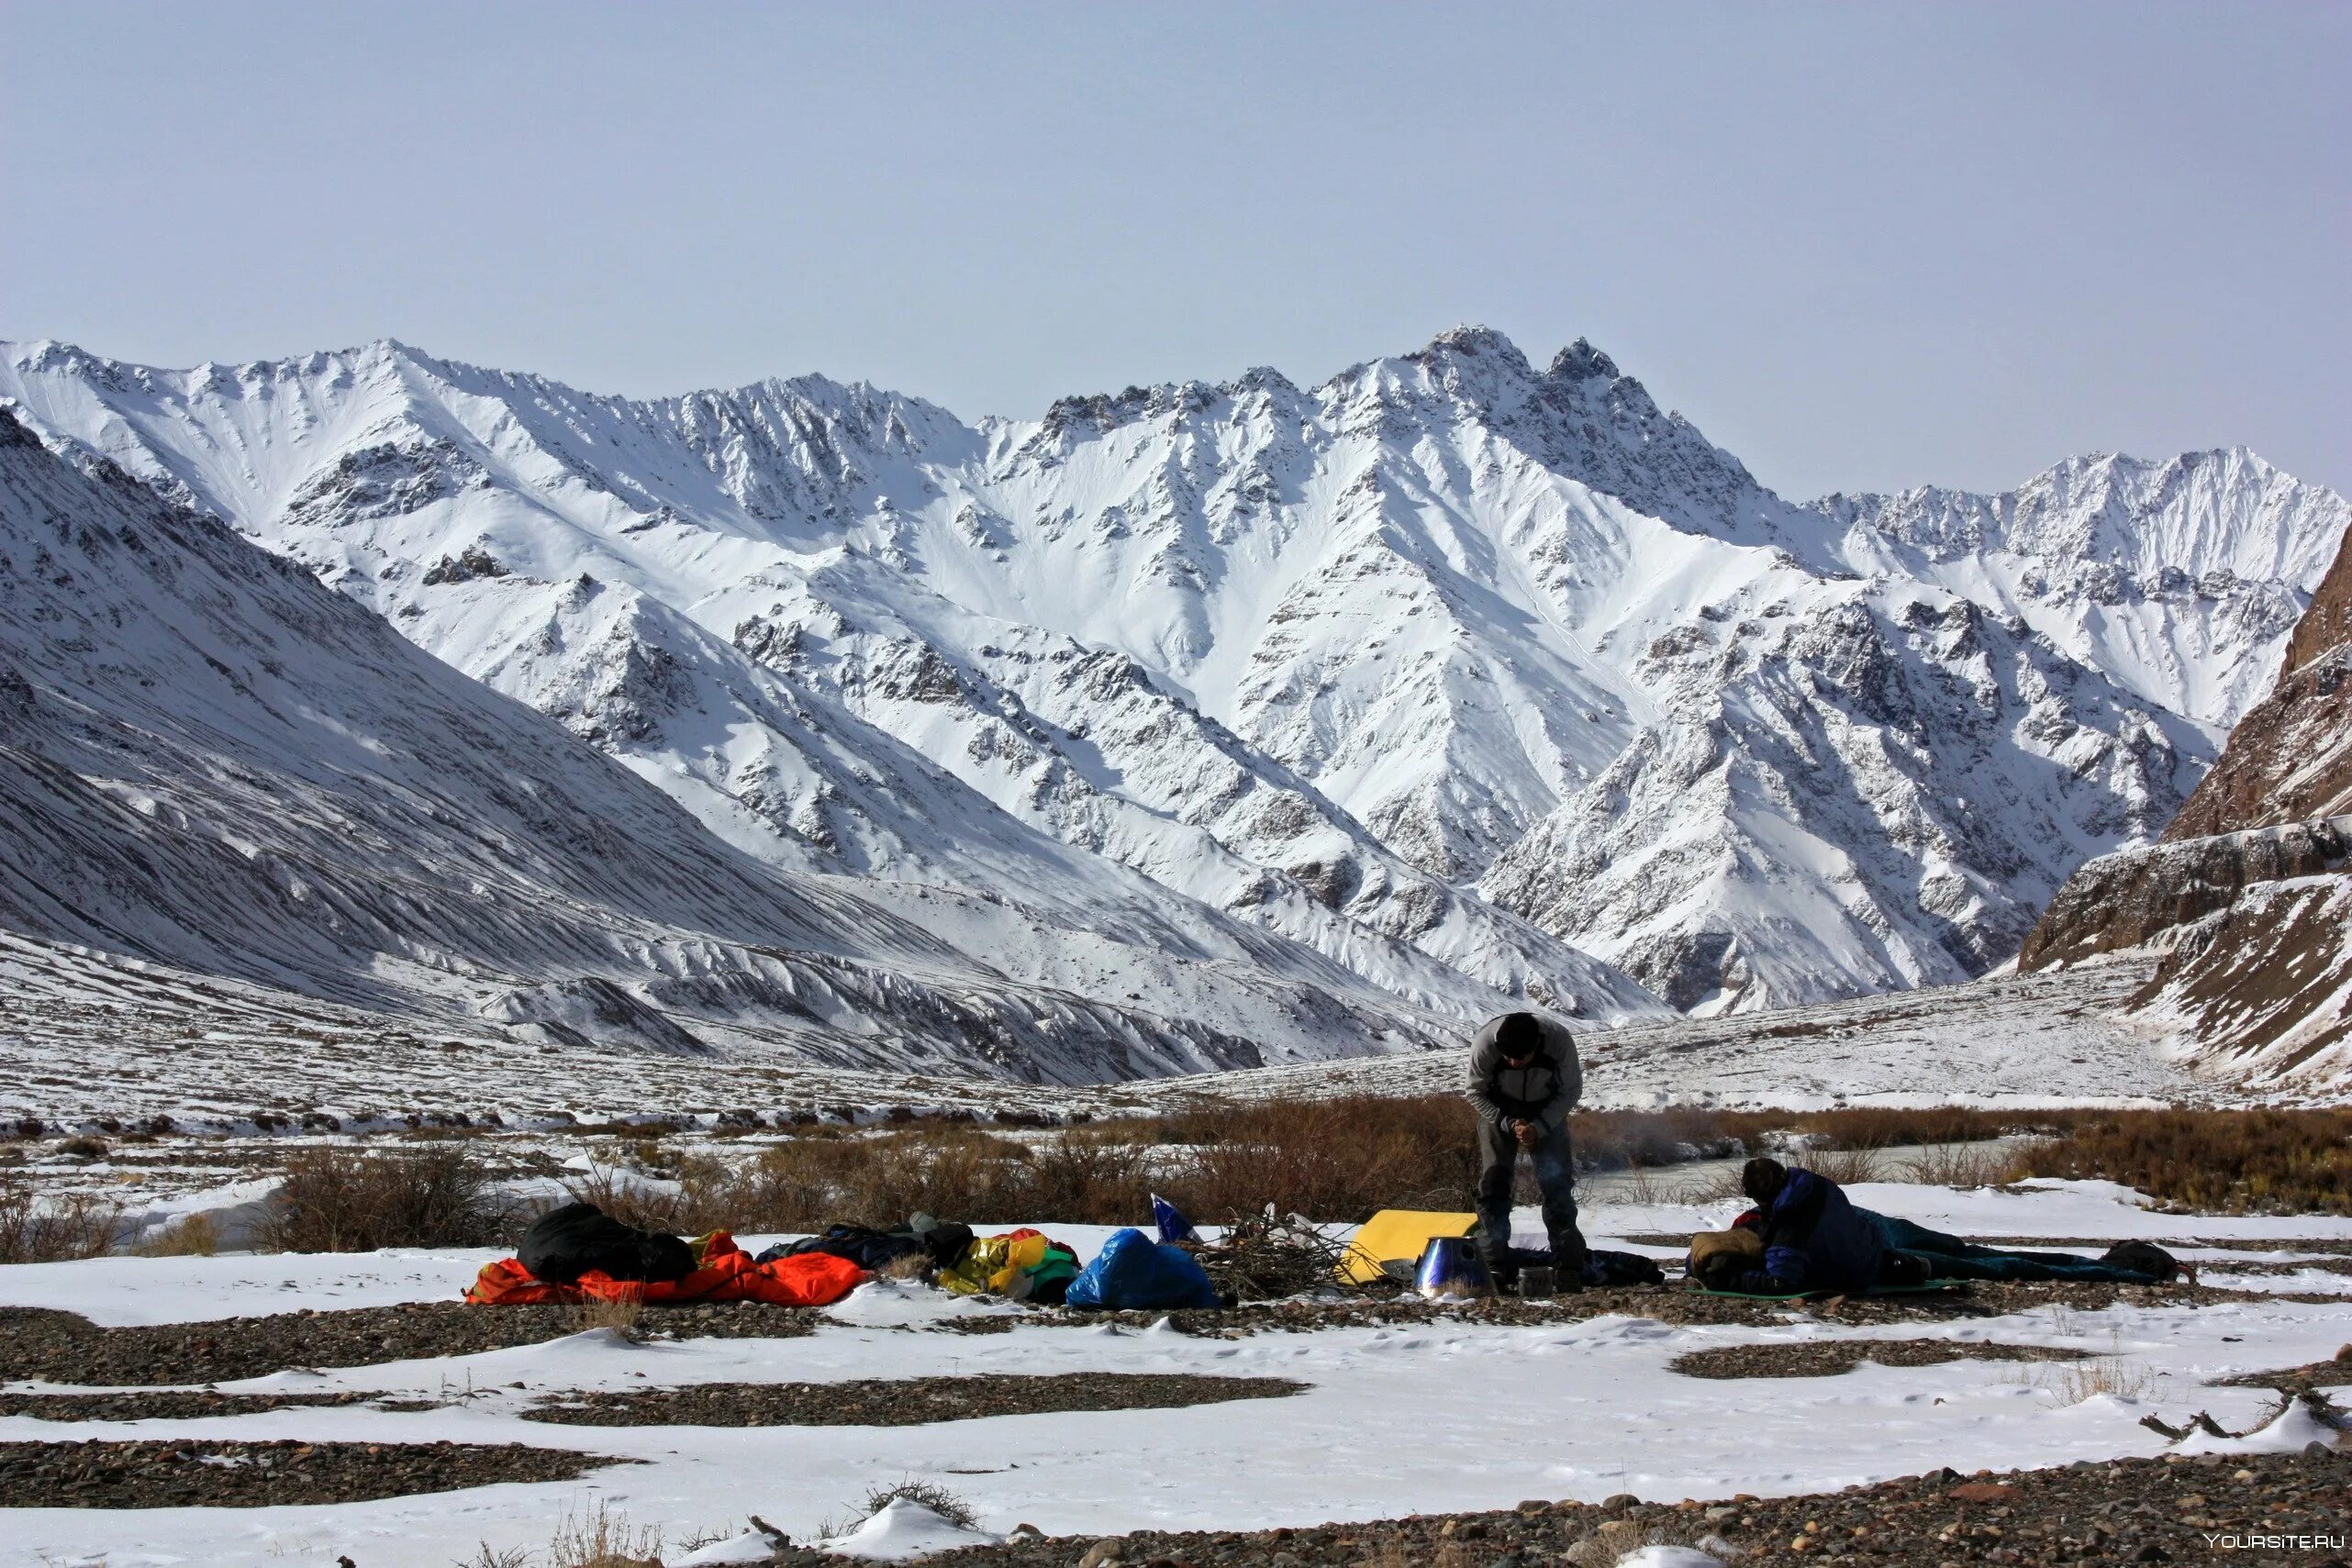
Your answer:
<point x="1134" y="1273"/>
<point x="1174" y="1226"/>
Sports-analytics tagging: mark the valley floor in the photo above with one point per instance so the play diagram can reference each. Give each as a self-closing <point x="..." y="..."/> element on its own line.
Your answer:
<point x="1629" y="1395"/>
<point x="88" y="1037"/>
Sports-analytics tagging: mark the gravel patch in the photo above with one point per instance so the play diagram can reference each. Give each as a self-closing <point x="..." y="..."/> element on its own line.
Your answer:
<point x="890" y="1402"/>
<point x="1667" y="1304"/>
<point x="177" y="1405"/>
<point x="2131" y="1511"/>
<point x="1832" y="1358"/>
<point x="150" y="1474"/>
<point x="45" y="1345"/>
<point x="2333" y="1374"/>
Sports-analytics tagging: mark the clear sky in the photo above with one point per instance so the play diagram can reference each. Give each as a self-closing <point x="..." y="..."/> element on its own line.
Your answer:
<point x="1863" y="245"/>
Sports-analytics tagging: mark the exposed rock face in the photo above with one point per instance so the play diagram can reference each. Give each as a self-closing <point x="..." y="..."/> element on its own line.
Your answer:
<point x="2266" y="985"/>
<point x="2135" y="896"/>
<point x="2291" y="757"/>
<point x="2248" y="889"/>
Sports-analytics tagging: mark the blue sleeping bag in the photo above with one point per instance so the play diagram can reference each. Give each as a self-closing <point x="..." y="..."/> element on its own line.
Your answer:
<point x="1134" y="1273"/>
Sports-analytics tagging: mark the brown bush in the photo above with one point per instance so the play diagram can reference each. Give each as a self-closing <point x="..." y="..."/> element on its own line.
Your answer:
<point x="2234" y="1162"/>
<point x="78" y="1225"/>
<point x="341" y="1200"/>
<point x="195" y="1236"/>
<point x="1336" y="1159"/>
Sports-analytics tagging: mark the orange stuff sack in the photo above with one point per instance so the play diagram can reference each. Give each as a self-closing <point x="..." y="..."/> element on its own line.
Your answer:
<point x="724" y="1273"/>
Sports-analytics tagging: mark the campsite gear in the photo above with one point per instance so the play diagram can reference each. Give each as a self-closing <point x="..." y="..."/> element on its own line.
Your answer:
<point x="1542" y="1091"/>
<point x="1954" y="1258"/>
<point x="861" y="1244"/>
<point x="581" y="1238"/>
<point x="1607" y="1268"/>
<point x="946" y="1241"/>
<point x="1536" y="1281"/>
<point x="1170" y="1221"/>
<point x="1398" y="1236"/>
<point x="722" y="1271"/>
<point x="1498" y="1151"/>
<point x="1724" y="1255"/>
<point x="1449" y="1268"/>
<point x="2147" y="1258"/>
<point x="1025" y="1264"/>
<point x="1134" y="1273"/>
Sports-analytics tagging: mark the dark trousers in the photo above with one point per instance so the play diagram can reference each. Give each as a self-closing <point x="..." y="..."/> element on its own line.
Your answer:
<point x="1555" y="1174"/>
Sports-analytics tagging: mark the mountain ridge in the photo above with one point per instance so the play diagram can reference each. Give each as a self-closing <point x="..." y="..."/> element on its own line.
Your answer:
<point x="1425" y="660"/>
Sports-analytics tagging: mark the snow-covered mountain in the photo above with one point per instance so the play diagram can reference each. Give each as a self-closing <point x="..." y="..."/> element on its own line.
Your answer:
<point x="209" y="761"/>
<point x="1453" y="668"/>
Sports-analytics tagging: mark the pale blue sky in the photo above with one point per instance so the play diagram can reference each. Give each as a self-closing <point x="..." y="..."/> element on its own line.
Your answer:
<point x="1862" y="246"/>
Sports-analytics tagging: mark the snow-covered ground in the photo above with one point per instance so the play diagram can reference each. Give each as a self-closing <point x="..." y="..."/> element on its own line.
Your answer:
<point x="1433" y="1417"/>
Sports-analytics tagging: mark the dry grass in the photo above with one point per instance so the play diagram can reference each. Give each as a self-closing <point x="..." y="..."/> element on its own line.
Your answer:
<point x="195" y="1236"/>
<point x="2263" y="1161"/>
<point x="343" y="1200"/>
<point x="77" y="1225"/>
<point x="1960" y="1165"/>
<point x="602" y="1538"/>
<point x="620" y="1315"/>
<point x="1846" y="1167"/>
<point x="2072" y="1382"/>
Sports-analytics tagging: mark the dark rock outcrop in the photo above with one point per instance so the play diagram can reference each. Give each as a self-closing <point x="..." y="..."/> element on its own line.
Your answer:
<point x="2289" y="758"/>
<point x="2134" y="896"/>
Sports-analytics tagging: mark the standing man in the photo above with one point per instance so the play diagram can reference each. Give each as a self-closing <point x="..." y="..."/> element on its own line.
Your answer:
<point x="1525" y="1079"/>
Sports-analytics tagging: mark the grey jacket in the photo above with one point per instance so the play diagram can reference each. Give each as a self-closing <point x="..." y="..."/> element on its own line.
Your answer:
<point x="1542" y="1091"/>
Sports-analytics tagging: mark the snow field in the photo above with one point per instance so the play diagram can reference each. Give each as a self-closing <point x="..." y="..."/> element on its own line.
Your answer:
<point x="1443" y="1417"/>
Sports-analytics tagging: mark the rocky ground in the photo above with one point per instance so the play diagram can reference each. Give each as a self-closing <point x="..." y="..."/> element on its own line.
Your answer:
<point x="1673" y="1303"/>
<point x="1816" y="1358"/>
<point x="214" y="1474"/>
<point x="893" y="1402"/>
<point x="2131" y="1511"/>
<point x="64" y="1347"/>
<point x="181" y="1404"/>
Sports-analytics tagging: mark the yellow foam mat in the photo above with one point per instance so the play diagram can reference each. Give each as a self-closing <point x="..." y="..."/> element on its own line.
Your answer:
<point x="1397" y="1233"/>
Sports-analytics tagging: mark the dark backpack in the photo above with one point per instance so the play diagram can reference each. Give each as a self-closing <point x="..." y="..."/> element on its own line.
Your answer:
<point x="2144" y="1258"/>
<point x="580" y="1238"/>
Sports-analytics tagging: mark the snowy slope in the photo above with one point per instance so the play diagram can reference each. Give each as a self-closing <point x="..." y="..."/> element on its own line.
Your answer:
<point x="1452" y="668"/>
<point x="209" y="761"/>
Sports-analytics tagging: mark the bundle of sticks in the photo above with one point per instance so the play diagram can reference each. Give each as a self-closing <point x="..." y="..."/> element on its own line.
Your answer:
<point x="1263" y="1257"/>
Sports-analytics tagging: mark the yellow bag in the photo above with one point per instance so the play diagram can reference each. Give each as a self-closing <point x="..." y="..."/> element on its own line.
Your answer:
<point x="1394" y="1234"/>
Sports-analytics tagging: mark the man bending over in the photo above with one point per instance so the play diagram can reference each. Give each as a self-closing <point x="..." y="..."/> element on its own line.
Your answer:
<point x="1525" y="1079"/>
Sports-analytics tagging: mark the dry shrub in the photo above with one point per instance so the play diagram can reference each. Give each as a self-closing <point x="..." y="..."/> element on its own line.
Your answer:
<point x="1337" y="1159"/>
<point x="1960" y="1165"/>
<point x="956" y="1172"/>
<point x="341" y="1200"/>
<point x="930" y="1494"/>
<point x="2229" y="1161"/>
<point x="602" y="1538"/>
<point x="1845" y="1166"/>
<point x="78" y="1225"/>
<point x="195" y="1235"/>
